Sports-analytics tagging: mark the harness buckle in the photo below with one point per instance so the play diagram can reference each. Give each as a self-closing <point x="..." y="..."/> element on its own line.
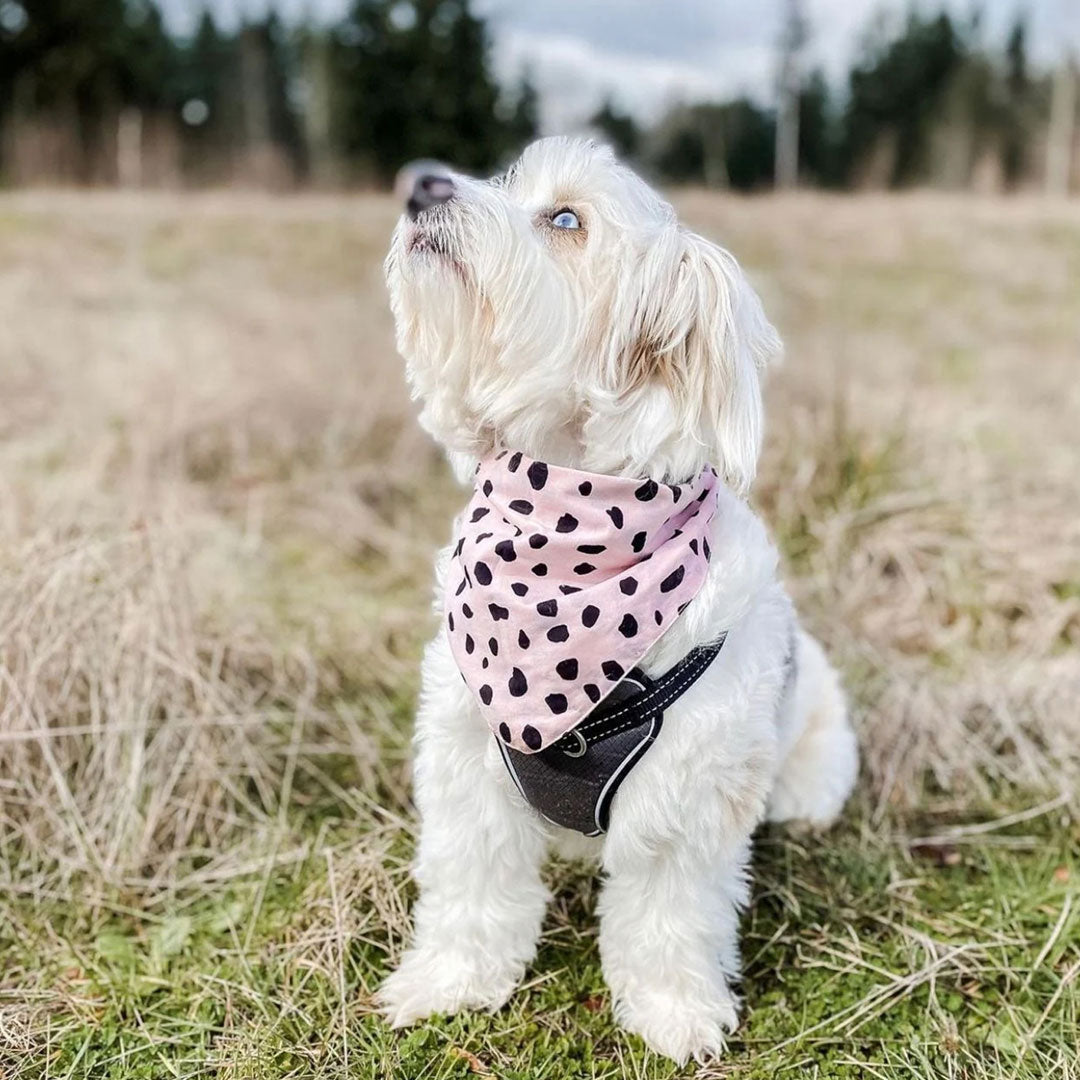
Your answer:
<point x="580" y="745"/>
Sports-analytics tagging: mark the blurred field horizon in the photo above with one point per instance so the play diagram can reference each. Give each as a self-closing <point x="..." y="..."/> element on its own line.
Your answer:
<point x="217" y="518"/>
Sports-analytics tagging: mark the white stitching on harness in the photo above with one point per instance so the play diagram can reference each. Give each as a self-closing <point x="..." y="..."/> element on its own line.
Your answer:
<point x="703" y="660"/>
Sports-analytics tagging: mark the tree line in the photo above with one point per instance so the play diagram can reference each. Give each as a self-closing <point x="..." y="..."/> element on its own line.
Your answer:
<point x="102" y="92"/>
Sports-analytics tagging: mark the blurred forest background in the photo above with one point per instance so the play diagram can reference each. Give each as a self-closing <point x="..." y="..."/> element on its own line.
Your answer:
<point x="218" y="518"/>
<point x="103" y="93"/>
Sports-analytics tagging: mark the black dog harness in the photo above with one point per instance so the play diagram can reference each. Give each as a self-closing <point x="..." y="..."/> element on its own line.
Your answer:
<point x="573" y="781"/>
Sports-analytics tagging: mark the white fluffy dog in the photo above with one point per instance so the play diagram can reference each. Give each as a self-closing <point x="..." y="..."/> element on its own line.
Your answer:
<point x="563" y="312"/>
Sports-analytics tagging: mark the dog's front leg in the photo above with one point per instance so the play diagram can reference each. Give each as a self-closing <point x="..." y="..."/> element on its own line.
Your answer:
<point x="676" y="868"/>
<point x="481" y="902"/>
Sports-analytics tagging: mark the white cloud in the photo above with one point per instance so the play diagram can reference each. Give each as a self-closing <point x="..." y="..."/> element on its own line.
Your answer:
<point x="649" y="53"/>
<point x="574" y="76"/>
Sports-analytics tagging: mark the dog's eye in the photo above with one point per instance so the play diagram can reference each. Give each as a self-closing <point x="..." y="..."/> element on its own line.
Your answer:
<point x="565" y="219"/>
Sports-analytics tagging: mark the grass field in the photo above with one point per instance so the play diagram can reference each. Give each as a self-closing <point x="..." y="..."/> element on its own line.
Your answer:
<point x="216" y="522"/>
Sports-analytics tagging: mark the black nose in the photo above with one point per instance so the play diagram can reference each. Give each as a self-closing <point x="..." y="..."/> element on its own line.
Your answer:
<point x="429" y="188"/>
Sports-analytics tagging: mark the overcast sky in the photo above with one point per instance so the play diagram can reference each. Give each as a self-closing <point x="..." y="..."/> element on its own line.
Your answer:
<point x="650" y="53"/>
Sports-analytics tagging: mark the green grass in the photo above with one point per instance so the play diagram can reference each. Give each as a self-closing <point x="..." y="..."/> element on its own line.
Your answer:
<point x="865" y="955"/>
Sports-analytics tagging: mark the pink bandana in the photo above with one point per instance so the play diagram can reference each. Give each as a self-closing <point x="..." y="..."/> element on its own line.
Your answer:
<point x="561" y="582"/>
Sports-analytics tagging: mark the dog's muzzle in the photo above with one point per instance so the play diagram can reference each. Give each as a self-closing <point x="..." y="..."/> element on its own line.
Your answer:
<point x="423" y="185"/>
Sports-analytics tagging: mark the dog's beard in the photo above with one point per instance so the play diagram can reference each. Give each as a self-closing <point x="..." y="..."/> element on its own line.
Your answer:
<point x="434" y="247"/>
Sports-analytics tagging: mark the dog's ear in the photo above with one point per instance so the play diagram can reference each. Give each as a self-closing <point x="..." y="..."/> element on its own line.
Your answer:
<point x="698" y="326"/>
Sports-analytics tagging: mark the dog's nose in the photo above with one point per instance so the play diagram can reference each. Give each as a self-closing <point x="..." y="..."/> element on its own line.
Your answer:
<point x="424" y="184"/>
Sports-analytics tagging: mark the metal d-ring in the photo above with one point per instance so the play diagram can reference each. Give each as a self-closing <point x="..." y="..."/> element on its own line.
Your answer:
<point x="582" y="745"/>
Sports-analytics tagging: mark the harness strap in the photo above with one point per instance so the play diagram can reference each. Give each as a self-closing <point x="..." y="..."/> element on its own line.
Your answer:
<point x="619" y="711"/>
<point x="573" y="781"/>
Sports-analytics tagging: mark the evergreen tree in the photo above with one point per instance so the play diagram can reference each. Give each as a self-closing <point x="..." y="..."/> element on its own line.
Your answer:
<point x="280" y="64"/>
<point x="523" y="121"/>
<point x="818" y="133"/>
<point x="618" y="127"/>
<point x="211" y="102"/>
<point x="83" y="62"/>
<point x="896" y="90"/>
<point x="414" y="81"/>
<point x="1014" y="143"/>
<point x="718" y="145"/>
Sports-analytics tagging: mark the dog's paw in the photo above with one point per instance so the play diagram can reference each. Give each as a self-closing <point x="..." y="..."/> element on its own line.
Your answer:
<point x="427" y="982"/>
<point x="680" y="1026"/>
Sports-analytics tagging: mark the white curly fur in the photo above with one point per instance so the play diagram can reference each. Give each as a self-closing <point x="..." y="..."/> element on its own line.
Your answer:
<point x="629" y="346"/>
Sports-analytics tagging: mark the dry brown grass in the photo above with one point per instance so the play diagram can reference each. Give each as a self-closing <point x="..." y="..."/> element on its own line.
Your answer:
<point x="210" y="479"/>
<point x="217" y="516"/>
<point x="200" y="528"/>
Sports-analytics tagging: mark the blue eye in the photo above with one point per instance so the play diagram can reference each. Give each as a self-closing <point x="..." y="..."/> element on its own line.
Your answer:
<point x="565" y="219"/>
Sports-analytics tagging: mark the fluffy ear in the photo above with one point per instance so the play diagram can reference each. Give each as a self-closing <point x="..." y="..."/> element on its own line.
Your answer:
<point x="699" y="327"/>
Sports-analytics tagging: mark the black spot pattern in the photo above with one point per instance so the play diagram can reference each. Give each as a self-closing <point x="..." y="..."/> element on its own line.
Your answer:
<point x="673" y="580"/>
<point x="538" y="474"/>
<point x="535" y="690"/>
<point x="518" y="685"/>
<point x="567" y="669"/>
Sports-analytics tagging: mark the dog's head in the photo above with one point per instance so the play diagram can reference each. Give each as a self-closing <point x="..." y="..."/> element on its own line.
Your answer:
<point x="561" y="310"/>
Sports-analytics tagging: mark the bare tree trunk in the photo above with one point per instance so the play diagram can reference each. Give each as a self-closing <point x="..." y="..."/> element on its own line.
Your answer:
<point x="714" y="147"/>
<point x="789" y="87"/>
<point x="129" y="147"/>
<point x="316" y="115"/>
<point x="1062" y="134"/>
